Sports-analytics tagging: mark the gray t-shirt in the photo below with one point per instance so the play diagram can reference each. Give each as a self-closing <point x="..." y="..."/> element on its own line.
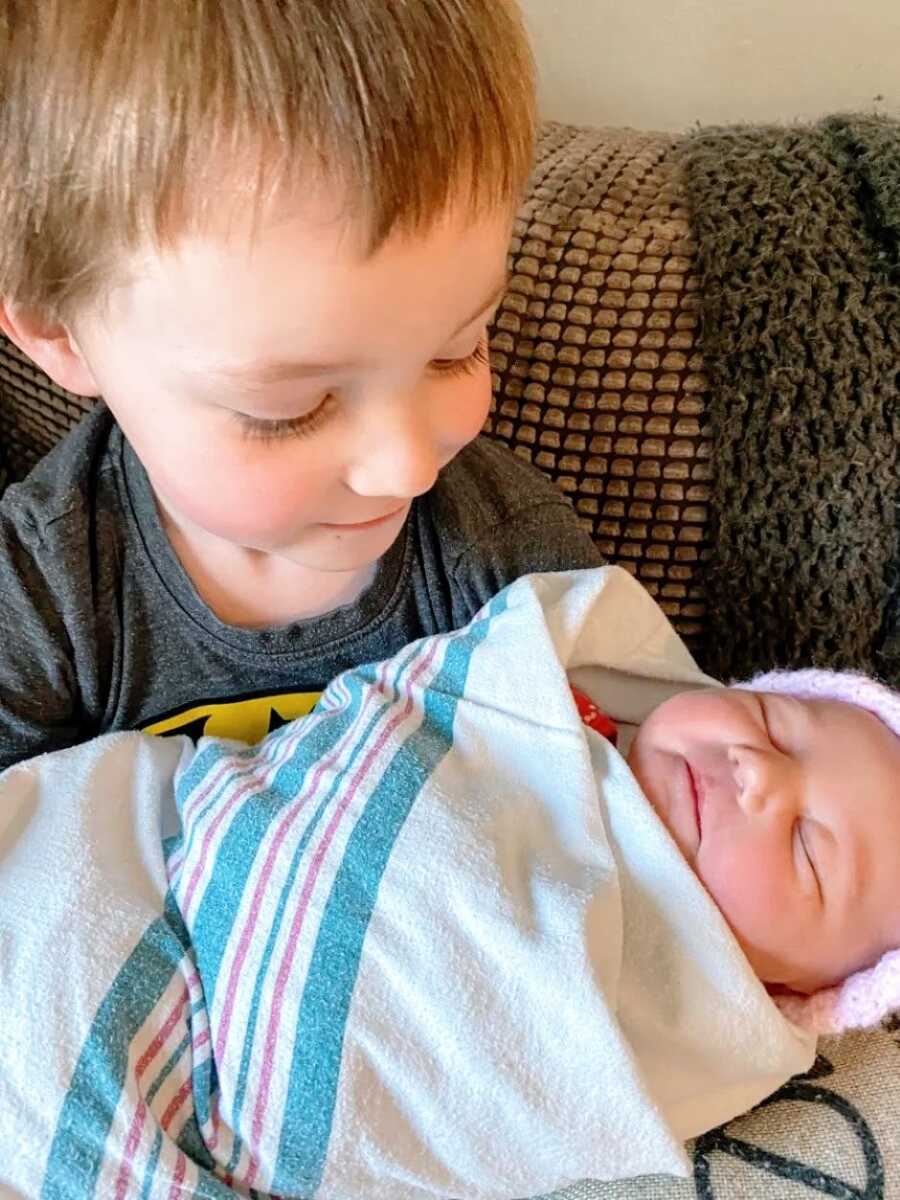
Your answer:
<point x="104" y="629"/>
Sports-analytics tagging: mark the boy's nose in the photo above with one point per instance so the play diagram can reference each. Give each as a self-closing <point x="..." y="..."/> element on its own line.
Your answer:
<point x="764" y="781"/>
<point x="401" y="462"/>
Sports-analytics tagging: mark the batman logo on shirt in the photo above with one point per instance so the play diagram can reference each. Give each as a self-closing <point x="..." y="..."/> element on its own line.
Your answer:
<point x="247" y="720"/>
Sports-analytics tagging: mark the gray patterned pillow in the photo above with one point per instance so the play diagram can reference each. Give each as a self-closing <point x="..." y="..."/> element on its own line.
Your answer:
<point x="832" y="1132"/>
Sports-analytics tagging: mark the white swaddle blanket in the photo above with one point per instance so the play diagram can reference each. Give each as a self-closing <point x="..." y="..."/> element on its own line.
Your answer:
<point x="435" y="942"/>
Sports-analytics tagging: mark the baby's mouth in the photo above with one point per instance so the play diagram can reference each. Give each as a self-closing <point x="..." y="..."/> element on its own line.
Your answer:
<point x="695" y="794"/>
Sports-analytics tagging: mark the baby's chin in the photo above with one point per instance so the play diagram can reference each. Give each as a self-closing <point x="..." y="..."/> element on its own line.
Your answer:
<point x="781" y="978"/>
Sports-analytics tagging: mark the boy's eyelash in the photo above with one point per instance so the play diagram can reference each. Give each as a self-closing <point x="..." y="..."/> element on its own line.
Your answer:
<point x="463" y="366"/>
<point x="259" y="430"/>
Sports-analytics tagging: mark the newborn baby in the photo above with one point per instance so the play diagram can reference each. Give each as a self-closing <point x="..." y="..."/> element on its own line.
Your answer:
<point x="452" y="943"/>
<point x="530" y="902"/>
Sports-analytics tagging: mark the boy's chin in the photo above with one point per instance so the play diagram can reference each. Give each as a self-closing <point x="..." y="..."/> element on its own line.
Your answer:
<point x="337" y="555"/>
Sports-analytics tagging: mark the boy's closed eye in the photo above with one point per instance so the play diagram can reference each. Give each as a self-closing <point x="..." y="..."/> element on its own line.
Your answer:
<point x="308" y="423"/>
<point x="462" y="366"/>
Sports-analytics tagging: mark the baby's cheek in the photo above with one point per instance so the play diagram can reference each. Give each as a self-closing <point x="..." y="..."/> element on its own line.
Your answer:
<point x="748" y="890"/>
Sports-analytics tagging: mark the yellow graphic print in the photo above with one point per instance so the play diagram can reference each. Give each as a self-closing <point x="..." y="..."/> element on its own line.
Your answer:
<point x="244" y="720"/>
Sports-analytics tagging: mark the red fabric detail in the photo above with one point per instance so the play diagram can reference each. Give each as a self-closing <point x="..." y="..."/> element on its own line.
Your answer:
<point x="594" y="717"/>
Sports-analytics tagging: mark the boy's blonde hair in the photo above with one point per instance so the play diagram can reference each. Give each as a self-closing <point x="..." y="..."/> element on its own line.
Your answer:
<point x="123" y="121"/>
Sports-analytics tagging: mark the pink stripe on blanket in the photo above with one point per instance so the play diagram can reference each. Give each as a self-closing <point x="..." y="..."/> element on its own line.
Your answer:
<point x="236" y="796"/>
<point x="165" y="1029"/>
<point x="262" y="882"/>
<point x="133" y="1139"/>
<point x="226" y="764"/>
<point x="273" y="759"/>
<point x="176" y="1192"/>
<point x="131" y="1144"/>
<point x="175" y="1104"/>
<point x="300" y="914"/>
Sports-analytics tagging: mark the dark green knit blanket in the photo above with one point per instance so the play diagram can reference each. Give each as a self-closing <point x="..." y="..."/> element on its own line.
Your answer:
<point x="798" y="233"/>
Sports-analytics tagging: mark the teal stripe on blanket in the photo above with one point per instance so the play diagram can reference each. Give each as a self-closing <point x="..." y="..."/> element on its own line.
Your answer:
<point x="152" y="1164"/>
<point x="235" y="858"/>
<point x="202" y="763"/>
<point x="208" y="1187"/>
<point x="361" y="744"/>
<point x="224" y="893"/>
<point x="76" y="1155"/>
<point x="315" y="1070"/>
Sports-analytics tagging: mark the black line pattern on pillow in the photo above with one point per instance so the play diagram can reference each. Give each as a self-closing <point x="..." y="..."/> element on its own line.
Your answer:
<point x="803" y="1088"/>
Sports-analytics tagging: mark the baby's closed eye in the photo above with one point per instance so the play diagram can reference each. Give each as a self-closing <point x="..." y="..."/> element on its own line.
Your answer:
<point x="805" y="855"/>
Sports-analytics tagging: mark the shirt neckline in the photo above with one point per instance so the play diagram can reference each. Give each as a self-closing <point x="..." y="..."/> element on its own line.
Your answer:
<point x="311" y="635"/>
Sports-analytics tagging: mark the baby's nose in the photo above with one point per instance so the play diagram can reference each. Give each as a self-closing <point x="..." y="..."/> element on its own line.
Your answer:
<point x="763" y="780"/>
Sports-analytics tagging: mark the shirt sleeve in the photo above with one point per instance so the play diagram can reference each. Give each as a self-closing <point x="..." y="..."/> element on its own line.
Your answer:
<point x="38" y="687"/>
<point x="546" y="536"/>
<point x="498" y="518"/>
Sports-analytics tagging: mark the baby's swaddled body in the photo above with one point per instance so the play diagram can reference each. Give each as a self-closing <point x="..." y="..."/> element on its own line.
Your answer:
<point x="446" y="947"/>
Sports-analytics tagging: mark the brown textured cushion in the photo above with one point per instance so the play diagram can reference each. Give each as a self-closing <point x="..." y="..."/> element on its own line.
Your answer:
<point x="34" y="412"/>
<point x="598" y="376"/>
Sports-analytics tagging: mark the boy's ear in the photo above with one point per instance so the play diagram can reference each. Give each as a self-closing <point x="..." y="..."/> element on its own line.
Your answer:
<point x="51" y="345"/>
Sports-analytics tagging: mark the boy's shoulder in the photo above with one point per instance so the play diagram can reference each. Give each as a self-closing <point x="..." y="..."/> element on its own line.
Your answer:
<point x="497" y="517"/>
<point x="60" y="541"/>
<point x="487" y="487"/>
<point x="58" y="498"/>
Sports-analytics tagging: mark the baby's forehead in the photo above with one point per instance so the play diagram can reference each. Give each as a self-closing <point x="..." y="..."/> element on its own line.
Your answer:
<point x="833" y="727"/>
<point x="827" y="711"/>
<point x="851" y="755"/>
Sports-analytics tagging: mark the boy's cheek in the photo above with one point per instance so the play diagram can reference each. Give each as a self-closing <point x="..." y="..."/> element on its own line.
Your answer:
<point x="242" y="488"/>
<point x="240" y="491"/>
<point x="467" y="414"/>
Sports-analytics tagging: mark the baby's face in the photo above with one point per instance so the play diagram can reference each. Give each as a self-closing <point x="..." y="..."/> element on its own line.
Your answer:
<point x="289" y="394"/>
<point x="789" y="812"/>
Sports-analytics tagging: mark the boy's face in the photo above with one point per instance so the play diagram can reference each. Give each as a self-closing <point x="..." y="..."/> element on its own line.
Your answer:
<point x="287" y="394"/>
<point x="789" y="812"/>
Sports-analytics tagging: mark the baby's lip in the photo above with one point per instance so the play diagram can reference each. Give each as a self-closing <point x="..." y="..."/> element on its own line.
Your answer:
<point x="697" y="795"/>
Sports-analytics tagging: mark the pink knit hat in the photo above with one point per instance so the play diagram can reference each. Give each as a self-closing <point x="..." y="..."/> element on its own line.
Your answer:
<point x="865" y="998"/>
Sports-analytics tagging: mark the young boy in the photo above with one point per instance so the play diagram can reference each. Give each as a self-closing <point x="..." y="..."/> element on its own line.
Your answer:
<point x="270" y="235"/>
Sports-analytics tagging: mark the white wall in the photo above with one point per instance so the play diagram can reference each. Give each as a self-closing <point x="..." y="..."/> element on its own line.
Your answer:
<point x="665" y="64"/>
